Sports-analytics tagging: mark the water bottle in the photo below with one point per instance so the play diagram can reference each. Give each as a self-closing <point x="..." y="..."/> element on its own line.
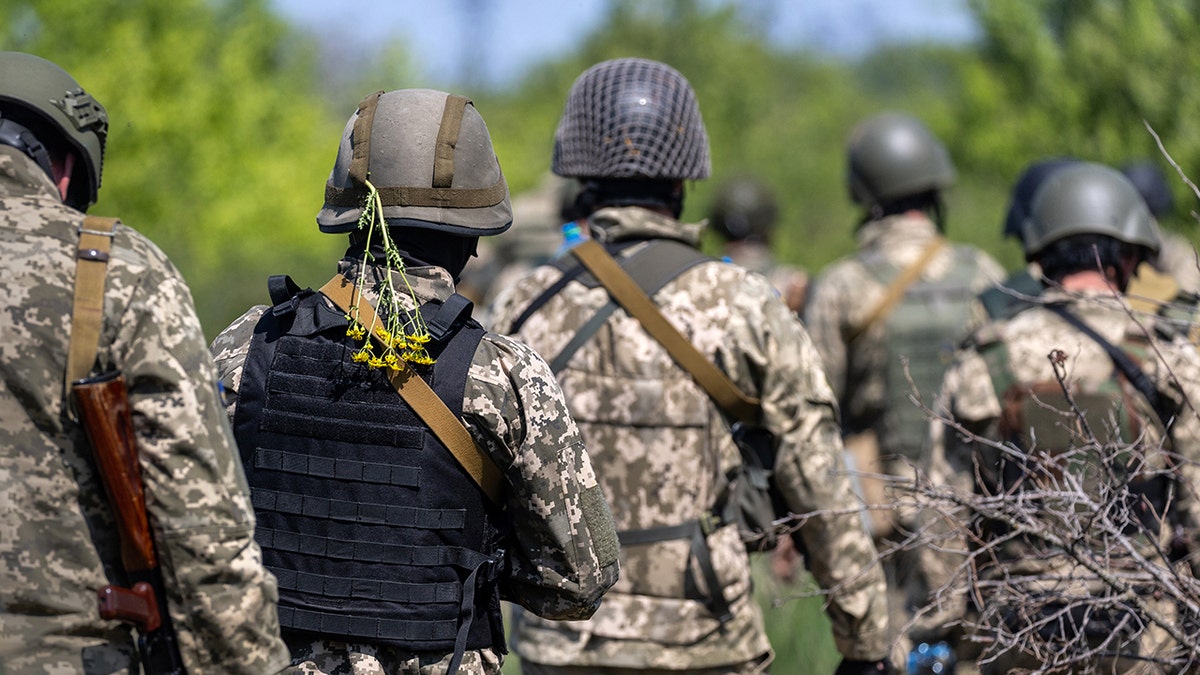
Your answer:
<point x="572" y="236"/>
<point x="931" y="659"/>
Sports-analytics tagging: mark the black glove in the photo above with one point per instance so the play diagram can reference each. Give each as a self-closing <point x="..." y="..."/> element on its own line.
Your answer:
<point x="848" y="667"/>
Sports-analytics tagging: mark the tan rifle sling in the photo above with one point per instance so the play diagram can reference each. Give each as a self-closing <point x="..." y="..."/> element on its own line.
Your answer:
<point x="446" y="426"/>
<point x="896" y="290"/>
<point x="87" y="313"/>
<point x="641" y="307"/>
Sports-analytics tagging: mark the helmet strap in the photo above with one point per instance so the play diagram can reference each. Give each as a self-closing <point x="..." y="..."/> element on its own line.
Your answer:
<point x="17" y="136"/>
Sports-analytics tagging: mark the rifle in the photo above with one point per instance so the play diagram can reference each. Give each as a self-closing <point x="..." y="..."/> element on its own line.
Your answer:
<point x="102" y="403"/>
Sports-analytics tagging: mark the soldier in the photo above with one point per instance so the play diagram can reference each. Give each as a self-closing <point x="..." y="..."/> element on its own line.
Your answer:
<point x="396" y="513"/>
<point x="1032" y="427"/>
<point x="1013" y="294"/>
<point x="744" y="214"/>
<point x="1177" y="259"/>
<point x="631" y="132"/>
<point x="60" y="542"/>
<point x="894" y="312"/>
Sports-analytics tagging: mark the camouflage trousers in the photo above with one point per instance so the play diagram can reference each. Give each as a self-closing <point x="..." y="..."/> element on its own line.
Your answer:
<point x="331" y="657"/>
<point x="757" y="666"/>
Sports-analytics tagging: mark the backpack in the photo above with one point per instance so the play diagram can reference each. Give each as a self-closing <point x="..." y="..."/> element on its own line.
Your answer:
<point x="922" y="333"/>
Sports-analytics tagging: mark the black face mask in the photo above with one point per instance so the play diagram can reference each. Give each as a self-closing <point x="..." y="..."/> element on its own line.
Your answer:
<point x="597" y="193"/>
<point x="420" y="248"/>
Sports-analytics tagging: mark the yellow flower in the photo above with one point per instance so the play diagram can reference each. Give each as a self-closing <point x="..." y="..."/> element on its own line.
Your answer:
<point x="375" y="362"/>
<point x="356" y="331"/>
<point x="361" y="356"/>
<point x="419" y="339"/>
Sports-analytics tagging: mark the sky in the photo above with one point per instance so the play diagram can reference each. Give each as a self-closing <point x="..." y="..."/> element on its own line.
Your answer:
<point x="513" y="35"/>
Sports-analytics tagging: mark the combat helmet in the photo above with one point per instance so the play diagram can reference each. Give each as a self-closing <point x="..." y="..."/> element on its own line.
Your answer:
<point x="429" y="155"/>
<point x="892" y="156"/>
<point x="744" y="208"/>
<point x="1151" y="182"/>
<point x="1087" y="198"/>
<point x="1023" y="190"/>
<point x="631" y="118"/>
<point x="47" y="95"/>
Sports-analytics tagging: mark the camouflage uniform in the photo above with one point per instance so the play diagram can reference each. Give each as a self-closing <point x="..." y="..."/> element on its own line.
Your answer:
<point x="58" y="538"/>
<point x="845" y="292"/>
<point x="790" y="282"/>
<point x="969" y="397"/>
<point x="564" y="554"/>
<point x="663" y="454"/>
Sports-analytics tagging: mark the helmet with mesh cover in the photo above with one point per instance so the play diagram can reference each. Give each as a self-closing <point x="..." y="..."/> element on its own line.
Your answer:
<point x="429" y="155"/>
<point x="631" y="118"/>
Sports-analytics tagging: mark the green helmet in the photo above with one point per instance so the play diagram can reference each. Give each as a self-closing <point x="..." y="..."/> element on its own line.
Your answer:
<point x="744" y="208"/>
<point x="892" y="156"/>
<point x="1087" y="198"/>
<point x="33" y="88"/>
<point x="429" y="155"/>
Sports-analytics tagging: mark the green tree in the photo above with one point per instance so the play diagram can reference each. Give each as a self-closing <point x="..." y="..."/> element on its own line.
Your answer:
<point x="216" y="148"/>
<point x="1078" y="78"/>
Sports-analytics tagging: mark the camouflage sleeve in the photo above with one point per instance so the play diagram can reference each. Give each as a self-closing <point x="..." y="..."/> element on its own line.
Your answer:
<point x="826" y="325"/>
<point x="564" y="544"/>
<point x="222" y="600"/>
<point x="1182" y="385"/>
<point x="966" y="399"/>
<point x="799" y="409"/>
<point x="229" y="350"/>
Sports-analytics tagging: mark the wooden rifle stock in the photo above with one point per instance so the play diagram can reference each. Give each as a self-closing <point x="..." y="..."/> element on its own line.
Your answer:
<point x="102" y="404"/>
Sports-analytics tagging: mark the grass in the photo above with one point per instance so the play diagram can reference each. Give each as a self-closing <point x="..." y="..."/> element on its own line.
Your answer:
<point x="797" y="626"/>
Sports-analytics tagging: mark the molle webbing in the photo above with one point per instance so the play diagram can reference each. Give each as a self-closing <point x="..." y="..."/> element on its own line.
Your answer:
<point x="373" y="530"/>
<point x="424" y="401"/>
<point x="345" y="511"/>
<point x="439" y="194"/>
<point x="396" y="630"/>
<point x="380" y="550"/>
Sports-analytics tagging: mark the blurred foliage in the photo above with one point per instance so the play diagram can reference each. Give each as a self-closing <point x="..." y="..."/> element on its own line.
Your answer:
<point x="216" y="148"/>
<point x="225" y="123"/>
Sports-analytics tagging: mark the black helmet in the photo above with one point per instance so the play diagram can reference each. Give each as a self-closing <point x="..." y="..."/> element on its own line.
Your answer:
<point x="39" y="93"/>
<point x="430" y="156"/>
<point x="1087" y="198"/>
<point x="1022" y="193"/>
<point x="744" y="208"/>
<point x="631" y="118"/>
<point x="1150" y="181"/>
<point x="892" y="156"/>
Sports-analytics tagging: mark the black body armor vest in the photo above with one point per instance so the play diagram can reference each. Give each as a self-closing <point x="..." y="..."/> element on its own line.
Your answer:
<point x="373" y="529"/>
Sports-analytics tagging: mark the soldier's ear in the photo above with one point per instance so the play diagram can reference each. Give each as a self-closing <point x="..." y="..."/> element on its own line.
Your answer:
<point x="63" y="166"/>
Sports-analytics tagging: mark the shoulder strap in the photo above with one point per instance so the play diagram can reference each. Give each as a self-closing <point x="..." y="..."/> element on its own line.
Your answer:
<point x="895" y="291"/>
<point x="669" y="260"/>
<point x="448" y="428"/>
<point x="87" y="313"/>
<point x="625" y="291"/>
<point x="1136" y="376"/>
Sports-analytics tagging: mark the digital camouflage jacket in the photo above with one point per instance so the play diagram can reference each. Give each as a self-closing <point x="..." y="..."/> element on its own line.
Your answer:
<point x="58" y="539"/>
<point x="664" y="455"/>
